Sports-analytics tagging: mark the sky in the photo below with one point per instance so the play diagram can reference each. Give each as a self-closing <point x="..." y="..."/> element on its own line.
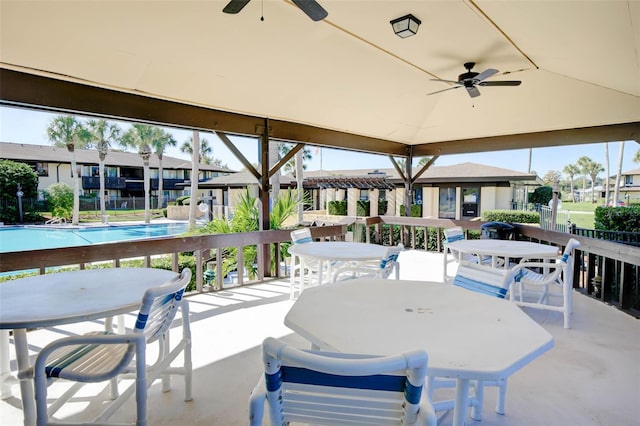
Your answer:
<point x="25" y="126"/>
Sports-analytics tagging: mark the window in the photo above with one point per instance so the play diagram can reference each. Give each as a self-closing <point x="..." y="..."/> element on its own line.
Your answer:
<point x="42" y="169"/>
<point x="447" y="203"/>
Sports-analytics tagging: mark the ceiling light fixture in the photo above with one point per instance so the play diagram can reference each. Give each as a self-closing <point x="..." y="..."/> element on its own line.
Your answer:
<point x="405" y="26"/>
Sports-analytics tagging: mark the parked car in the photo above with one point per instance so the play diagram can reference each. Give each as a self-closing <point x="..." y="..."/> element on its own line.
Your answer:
<point x="620" y="204"/>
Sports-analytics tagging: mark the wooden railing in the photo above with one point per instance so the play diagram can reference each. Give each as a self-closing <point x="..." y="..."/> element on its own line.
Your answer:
<point x="204" y="248"/>
<point x="605" y="270"/>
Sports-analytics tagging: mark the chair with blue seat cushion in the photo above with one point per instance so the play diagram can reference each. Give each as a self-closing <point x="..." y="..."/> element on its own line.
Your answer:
<point x="535" y="281"/>
<point x="104" y="356"/>
<point x="455" y="233"/>
<point x="324" y="388"/>
<point x="377" y="269"/>
<point x="483" y="279"/>
<point x="302" y="269"/>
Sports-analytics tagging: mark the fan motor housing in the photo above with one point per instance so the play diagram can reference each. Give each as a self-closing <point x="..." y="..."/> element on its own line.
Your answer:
<point x="467" y="76"/>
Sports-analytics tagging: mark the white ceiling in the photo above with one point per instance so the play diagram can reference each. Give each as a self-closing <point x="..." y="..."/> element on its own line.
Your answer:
<point x="578" y="60"/>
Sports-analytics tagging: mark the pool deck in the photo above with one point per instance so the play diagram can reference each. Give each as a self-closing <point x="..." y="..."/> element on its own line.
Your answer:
<point x="590" y="377"/>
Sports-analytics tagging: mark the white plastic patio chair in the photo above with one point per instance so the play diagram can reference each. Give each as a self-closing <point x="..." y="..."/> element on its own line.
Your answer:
<point x="323" y="388"/>
<point x="311" y="265"/>
<point x="378" y="269"/>
<point x="456" y="233"/>
<point x="102" y="356"/>
<point x="535" y="281"/>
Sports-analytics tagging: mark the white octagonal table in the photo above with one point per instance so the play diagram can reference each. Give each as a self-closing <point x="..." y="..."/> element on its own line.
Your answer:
<point x="467" y="335"/>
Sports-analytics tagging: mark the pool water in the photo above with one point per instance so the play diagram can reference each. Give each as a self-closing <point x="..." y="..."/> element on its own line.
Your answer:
<point x="22" y="238"/>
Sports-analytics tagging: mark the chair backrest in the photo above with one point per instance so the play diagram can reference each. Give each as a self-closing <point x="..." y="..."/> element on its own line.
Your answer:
<point x="453" y="234"/>
<point x="159" y="306"/>
<point x="483" y="279"/>
<point x="301" y="236"/>
<point x="390" y="259"/>
<point x="337" y="389"/>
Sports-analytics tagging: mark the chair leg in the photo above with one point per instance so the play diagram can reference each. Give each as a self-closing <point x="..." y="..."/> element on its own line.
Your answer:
<point x="478" y="400"/>
<point x="256" y="407"/>
<point x="141" y="388"/>
<point x="502" y="395"/>
<point x="166" y="349"/>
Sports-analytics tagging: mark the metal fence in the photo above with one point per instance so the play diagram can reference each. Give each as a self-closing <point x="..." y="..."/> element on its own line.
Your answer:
<point x="562" y="219"/>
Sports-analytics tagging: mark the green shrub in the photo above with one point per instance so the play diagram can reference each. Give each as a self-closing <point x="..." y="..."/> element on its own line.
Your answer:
<point x="59" y="196"/>
<point x="618" y="219"/>
<point x="382" y="207"/>
<point x="416" y="210"/>
<point x="363" y="207"/>
<point x="541" y="195"/>
<point x="183" y="200"/>
<point x="11" y="174"/>
<point x="338" y="208"/>
<point x="511" y="216"/>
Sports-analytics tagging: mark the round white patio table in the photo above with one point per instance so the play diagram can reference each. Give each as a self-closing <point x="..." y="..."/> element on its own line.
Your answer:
<point x="467" y="335"/>
<point x="332" y="252"/>
<point x="502" y="249"/>
<point x="63" y="298"/>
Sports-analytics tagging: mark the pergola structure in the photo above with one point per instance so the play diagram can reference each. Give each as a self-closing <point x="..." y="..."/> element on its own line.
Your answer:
<point x="346" y="81"/>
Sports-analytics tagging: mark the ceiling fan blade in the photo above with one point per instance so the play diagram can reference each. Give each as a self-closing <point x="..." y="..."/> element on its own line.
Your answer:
<point x="312" y="9"/>
<point x="500" y="83"/>
<point x="473" y="91"/>
<point x="444" y="90"/>
<point x="235" y="6"/>
<point x="485" y="74"/>
<point x="445" y="81"/>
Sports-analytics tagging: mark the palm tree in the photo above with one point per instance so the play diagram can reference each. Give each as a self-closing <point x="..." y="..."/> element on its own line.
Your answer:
<point x="593" y="170"/>
<point x="161" y="139"/>
<point x="571" y="170"/>
<point x="290" y="166"/>
<point x="424" y="160"/>
<point x="205" y="153"/>
<point x="141" y="137"/>
<point x="104" y="133"/>
<point x="616" y="190"/>
<point x="606" y="174"/>
<point x="67" y="130"/>
<point x="636" y="157"/>
<point x="583" y="164"/>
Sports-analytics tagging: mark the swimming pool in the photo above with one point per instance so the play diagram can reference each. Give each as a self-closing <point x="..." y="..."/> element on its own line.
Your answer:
<point x="20" y="238"/>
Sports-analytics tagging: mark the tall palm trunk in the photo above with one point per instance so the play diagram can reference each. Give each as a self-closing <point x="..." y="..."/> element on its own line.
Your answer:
<point x="299" y="180"/>
<point x="75" y="217"/>
<point x="160" y="183"/>
<point x="102" y="154"/>
<point x="616" y="191"/>
<point x="194" y="180"/>
<point x="606" y="180"/>
<point x="145" y="153"/>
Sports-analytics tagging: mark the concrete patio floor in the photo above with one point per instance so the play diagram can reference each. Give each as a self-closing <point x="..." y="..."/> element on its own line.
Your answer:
<point x="590" y="377"/>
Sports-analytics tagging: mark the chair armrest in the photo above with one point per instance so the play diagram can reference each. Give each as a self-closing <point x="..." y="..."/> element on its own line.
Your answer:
<point x="555" y="269"/>
<point x="136" y="339"/>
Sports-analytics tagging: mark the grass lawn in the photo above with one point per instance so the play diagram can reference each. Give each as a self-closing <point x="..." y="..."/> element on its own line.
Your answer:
<point x="582" y="214"/>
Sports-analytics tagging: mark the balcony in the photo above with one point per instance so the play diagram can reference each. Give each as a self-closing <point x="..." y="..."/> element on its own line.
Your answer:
<point x="590" y="377"/>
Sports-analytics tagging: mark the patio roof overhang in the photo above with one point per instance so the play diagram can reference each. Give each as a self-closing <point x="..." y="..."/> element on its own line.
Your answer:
<point x="347" y="81"/>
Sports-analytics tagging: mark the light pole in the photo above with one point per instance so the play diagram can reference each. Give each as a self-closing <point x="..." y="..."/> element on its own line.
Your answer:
<point x="19" y="194"/>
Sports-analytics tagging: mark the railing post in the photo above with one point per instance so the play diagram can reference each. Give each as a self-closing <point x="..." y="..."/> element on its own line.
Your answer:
<point x="198" y="254"/>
